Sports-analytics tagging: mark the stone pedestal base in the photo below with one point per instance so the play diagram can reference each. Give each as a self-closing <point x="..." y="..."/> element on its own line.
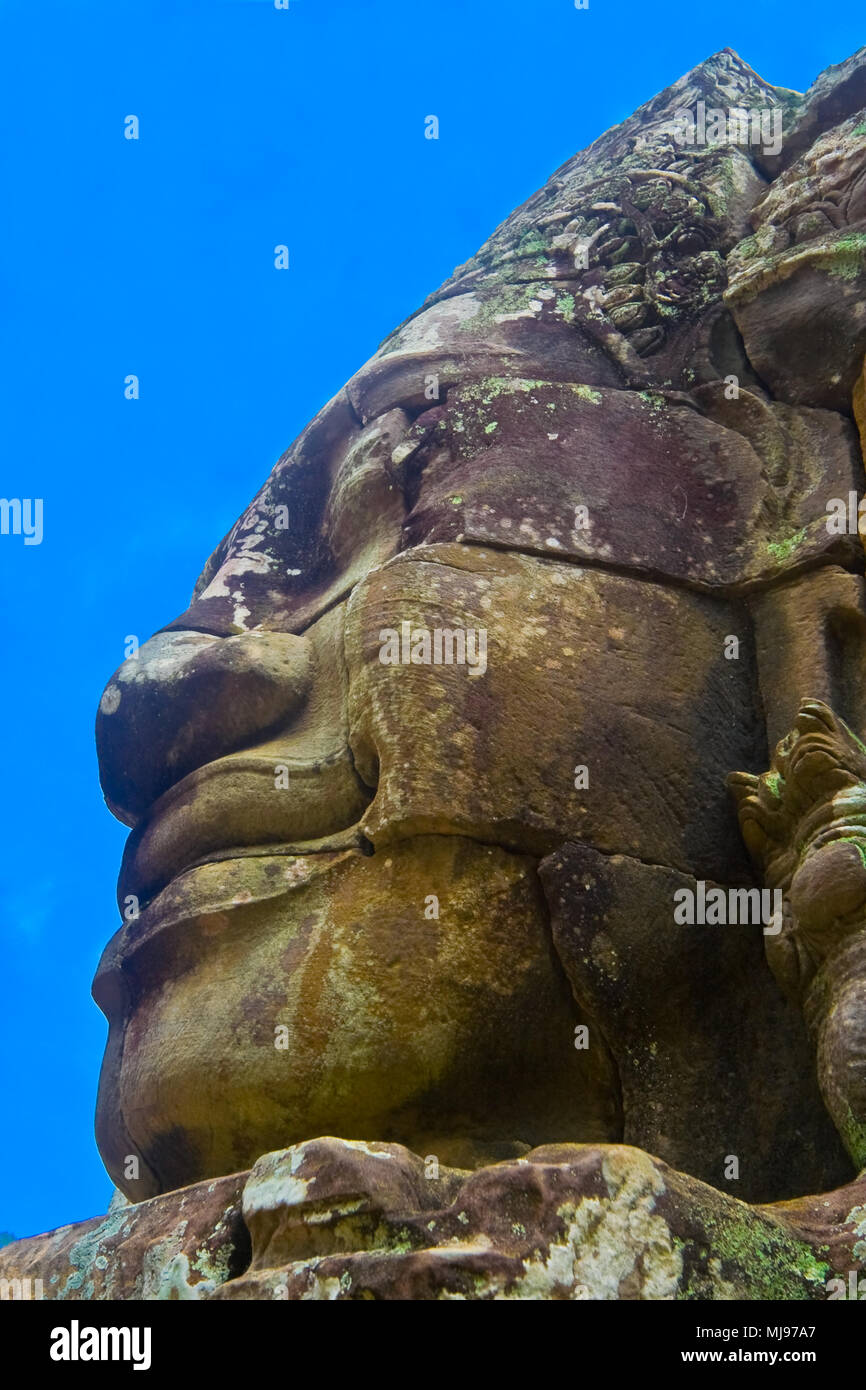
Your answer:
<point x="338" y="1219"/>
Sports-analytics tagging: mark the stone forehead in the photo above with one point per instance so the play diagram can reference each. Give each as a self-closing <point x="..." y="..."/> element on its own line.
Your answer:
<point x="646" y="314"/>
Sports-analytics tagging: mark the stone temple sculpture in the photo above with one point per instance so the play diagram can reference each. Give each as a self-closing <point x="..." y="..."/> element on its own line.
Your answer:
<point x="408" y="999"/>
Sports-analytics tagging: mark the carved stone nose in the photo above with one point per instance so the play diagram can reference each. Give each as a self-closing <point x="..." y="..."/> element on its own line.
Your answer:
<point x="188" y="698"/>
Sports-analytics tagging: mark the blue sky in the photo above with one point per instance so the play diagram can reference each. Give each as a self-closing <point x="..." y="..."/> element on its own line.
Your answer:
<point x="155" y="257"/>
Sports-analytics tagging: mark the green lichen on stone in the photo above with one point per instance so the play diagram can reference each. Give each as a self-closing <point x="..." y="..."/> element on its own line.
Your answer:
<point x="857" y="841"/>
<point x="400" y="1242"/>
<point x="780" y="550"/>
<point x="857" y="1218"/>
<point x="489" y="388"/>
<point x="173" y="1283"/>
<point x="531" y="243"/>
<point x="765" y="1263"/>
<point x="494" y="425"/>
<point x="859" y="130"/>
<point x="853" y="1131"/>
<point x="214" y="1266"/>
<point x="859" y="742"/>
<point x="506" y="299"/>
<point x="84" y="1253"/>
<point x="586" y="393"/>
<point x="847" y="258"/>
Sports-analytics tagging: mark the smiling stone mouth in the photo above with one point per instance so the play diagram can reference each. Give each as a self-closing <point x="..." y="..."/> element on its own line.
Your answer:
<point x="240" y="807"/>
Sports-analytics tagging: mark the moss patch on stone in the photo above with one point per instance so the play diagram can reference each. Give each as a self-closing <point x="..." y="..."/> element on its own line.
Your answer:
<point x="848" y="258"/>
<point x="781" y="550"/>
<point x="772" y="1263"/>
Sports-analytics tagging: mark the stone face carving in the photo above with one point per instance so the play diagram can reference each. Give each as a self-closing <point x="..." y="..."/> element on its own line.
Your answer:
<point x="388" y="899"/>
<point x="549" y="453"/>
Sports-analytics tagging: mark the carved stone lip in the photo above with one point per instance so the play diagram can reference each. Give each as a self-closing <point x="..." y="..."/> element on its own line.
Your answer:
<point x="209" y="893"/>
<point x="234" y="879"/>
<point x="232" y="809"/>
